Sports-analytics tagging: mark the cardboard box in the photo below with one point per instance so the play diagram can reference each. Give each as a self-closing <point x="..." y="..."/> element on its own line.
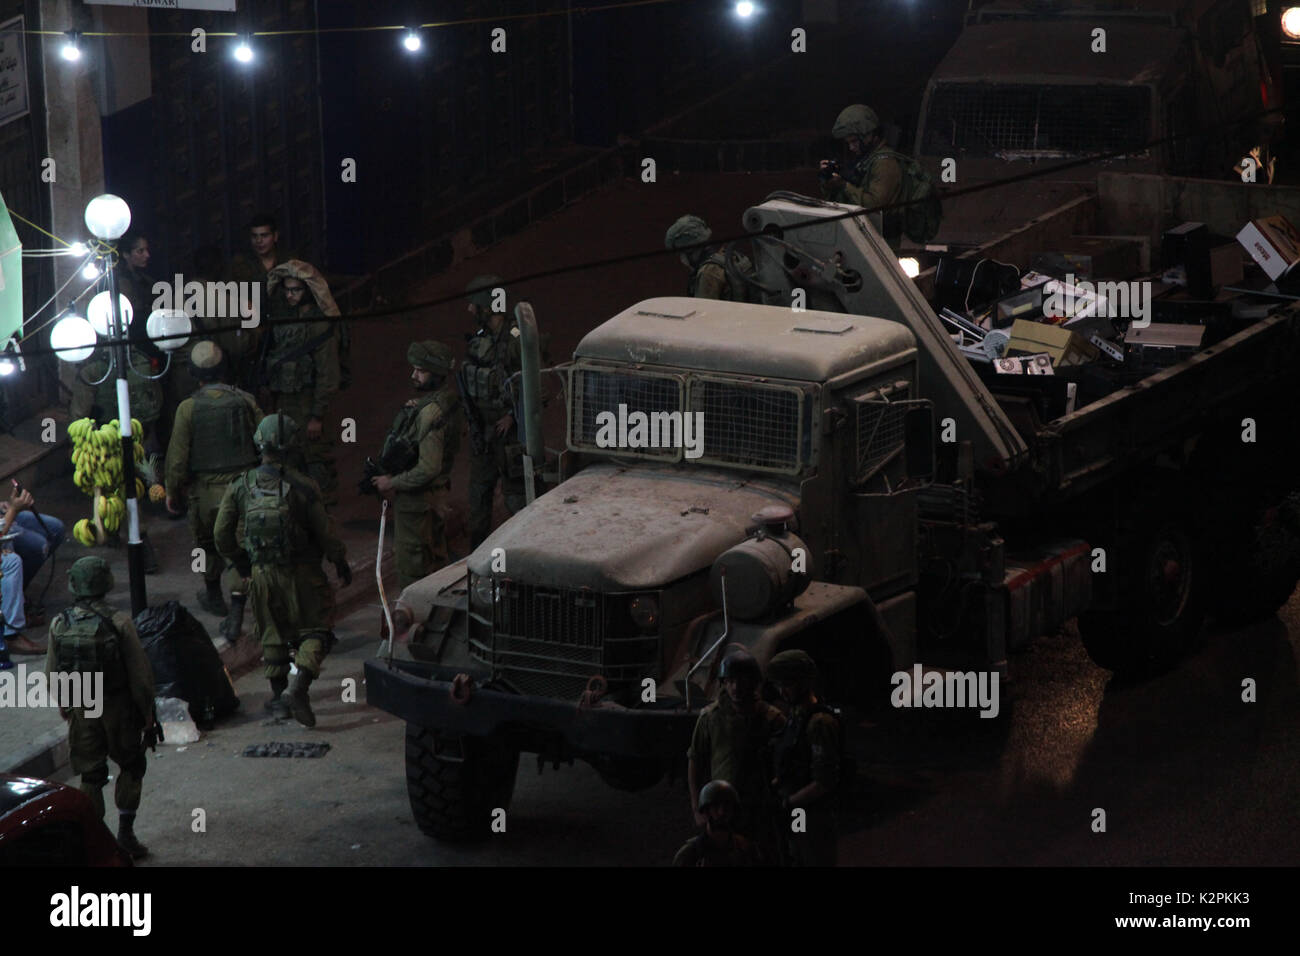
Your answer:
<point x="1065" y="347"/>
<point x="1272" y="242"/>
<point x="1225" y="265"/>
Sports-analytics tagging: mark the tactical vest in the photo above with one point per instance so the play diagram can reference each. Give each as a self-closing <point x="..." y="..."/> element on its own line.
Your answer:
<point x="222" y="433"/>
<point x="145" y="394"/>
<point x="793" y="751"/>
<point x="486" y="368"/>
<point x="88" y="643"/>
<point x="270" y="535"/>
<point x="730" y="293"/>
<point x="891" y="220"/>
<point x="287" y="371"/>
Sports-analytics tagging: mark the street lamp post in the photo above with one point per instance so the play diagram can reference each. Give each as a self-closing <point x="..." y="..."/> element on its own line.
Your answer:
<point x="107" y="218"/>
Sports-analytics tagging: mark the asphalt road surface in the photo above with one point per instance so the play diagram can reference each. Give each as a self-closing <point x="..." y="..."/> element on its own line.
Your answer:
<point x="1186" y="772"/>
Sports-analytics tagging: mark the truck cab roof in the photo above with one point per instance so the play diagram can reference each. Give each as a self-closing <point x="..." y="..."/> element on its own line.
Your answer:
<point x="777" y="342"/>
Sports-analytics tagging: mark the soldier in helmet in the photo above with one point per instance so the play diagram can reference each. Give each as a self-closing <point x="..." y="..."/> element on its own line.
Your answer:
<point x="283" y="520"/>
<point x="419" y="450"/>
<point x="92" y="637"/>
<point x="496" y="454"/>
<point x="731" y="740"/>
<point x="808" y="761"/>
<point x="874" y="177"/>
<point x="211" y="445"/>
<point x="719" y="844"/>
<point x="707" y="264"/>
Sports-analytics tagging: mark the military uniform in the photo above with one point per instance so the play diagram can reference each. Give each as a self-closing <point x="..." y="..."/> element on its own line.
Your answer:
<point x="300" y="365"/>
<point x="284" y="523"/>
<point x="491" y="359"/>
<point x="709" y="276"/>
<point x="93" y="637"/>
<point x="728" y="745"/>
<point x="875" y="179"/>
<point x="429" y="427"/>
<point x="211" y="445"/>
<point x="701" y="851"/>
<point x="99" y="401"/>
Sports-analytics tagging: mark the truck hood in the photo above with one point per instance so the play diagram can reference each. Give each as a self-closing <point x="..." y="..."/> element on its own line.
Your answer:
<point x="617" y="528"/>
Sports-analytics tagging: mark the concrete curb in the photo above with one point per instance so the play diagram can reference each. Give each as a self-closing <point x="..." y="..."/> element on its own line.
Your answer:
<point x="48" y="753"/>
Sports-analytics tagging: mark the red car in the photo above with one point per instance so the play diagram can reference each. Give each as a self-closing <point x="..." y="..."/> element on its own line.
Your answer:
<point x="48" y="824"/>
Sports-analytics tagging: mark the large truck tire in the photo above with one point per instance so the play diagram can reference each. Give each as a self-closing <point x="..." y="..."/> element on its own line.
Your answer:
<point x="1257" y="562"/>
<point x="455" y="783"/>
<point x="1161" y="566"/>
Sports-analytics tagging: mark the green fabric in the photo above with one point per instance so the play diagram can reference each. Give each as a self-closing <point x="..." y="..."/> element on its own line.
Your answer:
<point x="11" y="277"/>
<point x="222" y="426"/>
<point x="86" y="643"/>
<point x="117" y="734"/>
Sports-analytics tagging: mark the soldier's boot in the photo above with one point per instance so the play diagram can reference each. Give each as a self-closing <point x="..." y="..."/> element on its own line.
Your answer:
<point x="277" y="706"/>
<point x="126" y="836"/>
<point x="210" y="599"/>
<point x="234" y="622"/>
<point x="299" y="702"/>
<point x="150" y="556"/>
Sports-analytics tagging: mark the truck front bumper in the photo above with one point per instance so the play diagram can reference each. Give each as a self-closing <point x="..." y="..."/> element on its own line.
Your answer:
<point x="421" y="693"/>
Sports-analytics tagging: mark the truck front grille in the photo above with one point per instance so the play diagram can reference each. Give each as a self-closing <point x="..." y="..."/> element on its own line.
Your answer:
<point x="549" y="641"/>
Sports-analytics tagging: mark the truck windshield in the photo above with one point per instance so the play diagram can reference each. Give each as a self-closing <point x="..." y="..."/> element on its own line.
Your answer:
<point x="708" y="418"/>
<point x="1009" y="121"/>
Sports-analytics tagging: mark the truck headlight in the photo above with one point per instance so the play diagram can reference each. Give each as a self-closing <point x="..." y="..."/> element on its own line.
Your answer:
<point x="402" y="619"/>
<point x="481" y="594"/>
<point x="644" y="611"/>
<point x="1291" y="22"/>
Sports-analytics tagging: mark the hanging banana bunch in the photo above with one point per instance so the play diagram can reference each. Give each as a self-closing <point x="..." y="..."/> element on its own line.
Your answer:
<point x="97" y="471"/>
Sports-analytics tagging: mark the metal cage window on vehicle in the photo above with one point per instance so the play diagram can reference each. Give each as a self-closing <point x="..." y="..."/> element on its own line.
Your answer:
<point x="596" y="390"/>
<point x="1009" y="120"/>
<point x="880" y="427"/>
<point x="759" y="426"/>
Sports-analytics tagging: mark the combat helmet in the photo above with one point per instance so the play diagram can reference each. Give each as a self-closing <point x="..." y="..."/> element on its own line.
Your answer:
<point x="90" y="577"/>
<point x="789" y="667"/>
<point x="686" y="231"/>
<point x="480" y="290"/>
<point x="718" y="791"/>
<point x="855" y="120"/>
<point x="738" y="663"/>
<point x="430" y="355"/>
<point x="275" y="433"/>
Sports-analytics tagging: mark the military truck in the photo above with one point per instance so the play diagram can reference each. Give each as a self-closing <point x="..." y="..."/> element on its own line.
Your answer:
<point x="1030" y="83"/>
<point x="862" y="490"/>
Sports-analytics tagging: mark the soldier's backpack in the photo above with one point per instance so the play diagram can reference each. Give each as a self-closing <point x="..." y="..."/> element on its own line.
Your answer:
<point x="268" y="522"/>
<point x="921" y="219"/>
<point x="88" y="643"/>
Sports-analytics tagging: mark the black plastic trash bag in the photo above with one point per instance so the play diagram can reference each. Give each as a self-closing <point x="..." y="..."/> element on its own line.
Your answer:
<point x="185" y="664"/>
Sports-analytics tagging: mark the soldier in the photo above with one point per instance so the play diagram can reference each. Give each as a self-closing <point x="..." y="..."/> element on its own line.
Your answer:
<point x="492" y="358"/>
<point x="212" y="444"/>
<point x="707" y="264"/>
<point x="283" y="521"/>
<point x="731" y="740"/>
<point x="719" y="844"/>
<point x="420" y="449"/>
<point x="92" y="637"/>
<point x="876" y="176"/>
<point x="300" y="363"/>
<point x="808" y="761"/>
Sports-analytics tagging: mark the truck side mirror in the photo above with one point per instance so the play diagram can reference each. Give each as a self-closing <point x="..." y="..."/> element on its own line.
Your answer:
<point x="918" y="441"/>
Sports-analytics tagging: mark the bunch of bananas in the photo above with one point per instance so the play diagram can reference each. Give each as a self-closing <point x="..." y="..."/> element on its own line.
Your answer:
<point x="97" y="470"/>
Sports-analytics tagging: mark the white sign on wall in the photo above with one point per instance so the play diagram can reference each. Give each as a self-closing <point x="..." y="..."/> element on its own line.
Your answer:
<point x="224" y="6"/>
<point x="13" y="71"/>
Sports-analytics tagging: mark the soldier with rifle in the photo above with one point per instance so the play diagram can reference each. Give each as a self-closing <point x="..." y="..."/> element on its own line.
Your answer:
<point x="92" y="637"/>
<point x="414" y="468"/>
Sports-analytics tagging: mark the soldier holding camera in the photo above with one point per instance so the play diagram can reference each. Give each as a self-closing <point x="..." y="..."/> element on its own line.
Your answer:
<point x="415" y="465"/>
